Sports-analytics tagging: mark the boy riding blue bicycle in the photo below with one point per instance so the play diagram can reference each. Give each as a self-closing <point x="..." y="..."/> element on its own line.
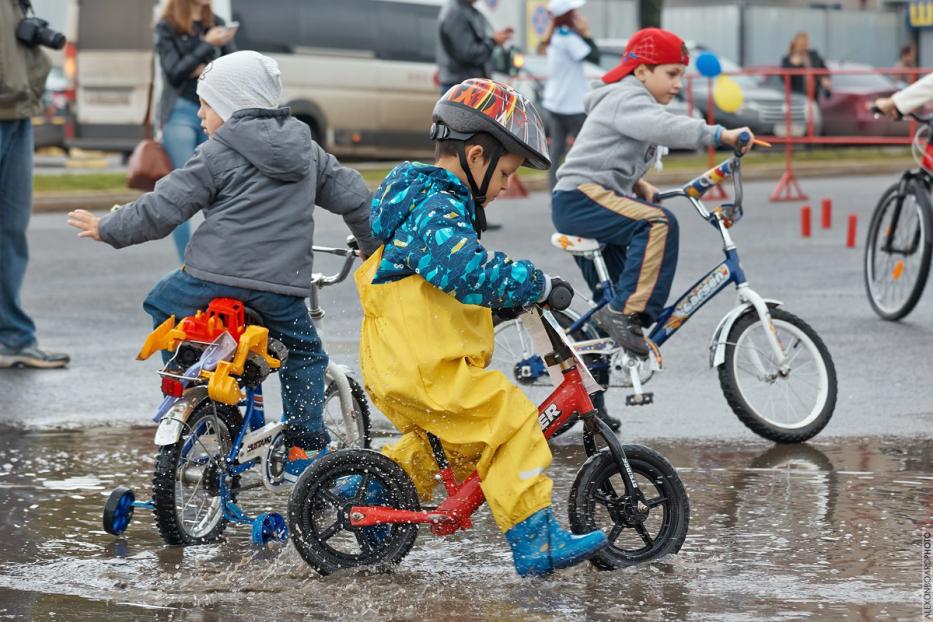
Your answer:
<point x="600" y="192"/>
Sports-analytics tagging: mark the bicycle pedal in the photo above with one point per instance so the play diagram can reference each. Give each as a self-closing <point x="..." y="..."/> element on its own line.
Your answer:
<point x="639" y="400"/>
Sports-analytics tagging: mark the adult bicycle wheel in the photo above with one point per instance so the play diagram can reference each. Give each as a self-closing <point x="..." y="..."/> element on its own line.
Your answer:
<point x="785" y="402"/>
<point x="897" y="252"/>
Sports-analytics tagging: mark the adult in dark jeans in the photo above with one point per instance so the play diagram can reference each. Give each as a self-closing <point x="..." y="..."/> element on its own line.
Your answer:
<point x="187" y="38"/>
<point x="800" y="56"/>
<point x="568" y="45"/>
<point x="23" y="70"/>
<point x="464" y="49"/>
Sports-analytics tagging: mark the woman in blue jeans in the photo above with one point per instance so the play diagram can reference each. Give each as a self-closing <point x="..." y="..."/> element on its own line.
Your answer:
<point x="188" y="37"/>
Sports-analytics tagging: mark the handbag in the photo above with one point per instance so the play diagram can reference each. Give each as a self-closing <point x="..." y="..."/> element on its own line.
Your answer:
<point x="149" y="162"/>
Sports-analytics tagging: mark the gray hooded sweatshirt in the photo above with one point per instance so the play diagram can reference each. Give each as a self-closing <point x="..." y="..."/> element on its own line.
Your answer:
<point x="257" y="182"/>
<point x="620" y="138"/>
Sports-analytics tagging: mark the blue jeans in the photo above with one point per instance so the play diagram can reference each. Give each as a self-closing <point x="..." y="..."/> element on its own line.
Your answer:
<point x="286" y="317"/>
<point x="181" y="135"/>
<point x="641" y="245"/>
<point x="17" y="329"/>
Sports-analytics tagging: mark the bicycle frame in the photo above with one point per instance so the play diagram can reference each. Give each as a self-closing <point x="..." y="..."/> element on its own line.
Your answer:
<point x="674" y="316"/>
<point x="570" y="398"/>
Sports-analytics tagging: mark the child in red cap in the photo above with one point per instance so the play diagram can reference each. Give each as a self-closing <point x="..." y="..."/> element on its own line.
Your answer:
<point x="600" y="192"/>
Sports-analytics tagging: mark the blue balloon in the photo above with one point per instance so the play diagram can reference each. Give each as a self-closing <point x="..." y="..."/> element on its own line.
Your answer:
<point x="708" y="65"/>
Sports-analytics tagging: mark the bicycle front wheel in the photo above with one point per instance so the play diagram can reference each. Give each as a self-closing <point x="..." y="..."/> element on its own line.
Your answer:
<point x="786" y="401"/>
<point x="897" y="252"/>
<point x="348" y="428"/>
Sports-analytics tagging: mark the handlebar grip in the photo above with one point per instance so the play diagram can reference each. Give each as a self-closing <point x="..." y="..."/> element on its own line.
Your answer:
<point x="352" y="243"/>
<point x="744" y="139"/>
<point x="561" y="295"/>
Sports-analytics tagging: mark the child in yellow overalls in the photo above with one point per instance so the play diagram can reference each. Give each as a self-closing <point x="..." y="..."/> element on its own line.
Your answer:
<point x="427" y="332"/>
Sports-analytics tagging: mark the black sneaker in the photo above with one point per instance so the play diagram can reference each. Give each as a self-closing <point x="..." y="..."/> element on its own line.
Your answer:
<point x="31" y="356"/>
<point x="625" y="330"/>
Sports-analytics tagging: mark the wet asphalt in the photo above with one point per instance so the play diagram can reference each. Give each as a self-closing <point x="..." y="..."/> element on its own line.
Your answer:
<point x="828" y="530"/>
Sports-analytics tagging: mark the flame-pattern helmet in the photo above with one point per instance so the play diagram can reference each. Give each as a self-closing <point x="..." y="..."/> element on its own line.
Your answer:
<point x="483" y="105"/>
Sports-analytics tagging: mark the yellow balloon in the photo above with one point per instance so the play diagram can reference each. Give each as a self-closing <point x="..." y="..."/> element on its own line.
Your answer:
<point x="727" y="94"/>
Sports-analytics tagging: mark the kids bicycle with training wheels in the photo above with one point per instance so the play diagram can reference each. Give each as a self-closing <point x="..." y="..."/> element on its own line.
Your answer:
<point x="775" y="372"/>
<point x="214" y="439"/>
<point x="630" y="492"/>
<point x="899" y="245"/>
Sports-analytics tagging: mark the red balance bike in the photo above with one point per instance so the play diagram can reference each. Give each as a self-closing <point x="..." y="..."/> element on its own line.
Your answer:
<point x="631" y="492"/>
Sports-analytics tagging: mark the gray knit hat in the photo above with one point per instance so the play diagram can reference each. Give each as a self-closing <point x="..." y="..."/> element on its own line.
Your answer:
<point x="241" y="80"/>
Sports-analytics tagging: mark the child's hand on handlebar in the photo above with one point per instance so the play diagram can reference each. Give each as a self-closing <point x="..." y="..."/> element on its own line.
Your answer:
<point x="644" y="190"/>
<point x="732" y="138"/>
<point x="558" y="294"/>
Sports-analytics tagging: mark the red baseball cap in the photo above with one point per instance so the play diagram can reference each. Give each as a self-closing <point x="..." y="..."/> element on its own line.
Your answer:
<point x="649" y="46"/>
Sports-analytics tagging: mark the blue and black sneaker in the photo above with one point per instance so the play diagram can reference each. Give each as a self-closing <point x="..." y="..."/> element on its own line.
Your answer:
<point x="298" y="460"/>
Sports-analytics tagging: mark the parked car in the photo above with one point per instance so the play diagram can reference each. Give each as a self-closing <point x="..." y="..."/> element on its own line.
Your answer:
<point x="765" y="106"/>
<point x="845" y="112"/>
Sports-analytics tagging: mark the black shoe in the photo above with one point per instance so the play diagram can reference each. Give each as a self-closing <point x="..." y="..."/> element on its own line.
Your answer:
<point x="31" y="356"/>
<point x="614" y="424"/>
<point x="625" y="330"/>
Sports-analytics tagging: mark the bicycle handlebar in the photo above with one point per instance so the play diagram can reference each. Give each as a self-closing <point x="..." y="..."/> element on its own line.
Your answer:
<point x="351" y="253"/>
<point x="927" y="120"/>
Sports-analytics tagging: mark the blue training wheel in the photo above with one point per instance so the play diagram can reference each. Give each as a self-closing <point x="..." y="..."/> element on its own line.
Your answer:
<point x="118" y="511"/>
<point x="269" y="526"/>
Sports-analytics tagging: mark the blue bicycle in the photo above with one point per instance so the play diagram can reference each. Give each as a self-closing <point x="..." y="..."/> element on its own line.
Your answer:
<point x="774" y="370"/>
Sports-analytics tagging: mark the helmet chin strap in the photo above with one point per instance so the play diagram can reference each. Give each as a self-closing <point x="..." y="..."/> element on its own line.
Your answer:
<point x="479" y="193"/>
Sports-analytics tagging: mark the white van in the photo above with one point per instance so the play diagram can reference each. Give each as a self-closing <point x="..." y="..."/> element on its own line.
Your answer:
<point x="360" y="73"/>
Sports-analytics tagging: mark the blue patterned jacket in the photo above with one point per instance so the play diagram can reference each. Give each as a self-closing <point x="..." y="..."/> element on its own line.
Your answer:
<point x="424" y="215"/>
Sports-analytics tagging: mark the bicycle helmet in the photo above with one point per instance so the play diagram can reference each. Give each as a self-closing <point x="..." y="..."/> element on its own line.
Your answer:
<point x="483" y="105"/>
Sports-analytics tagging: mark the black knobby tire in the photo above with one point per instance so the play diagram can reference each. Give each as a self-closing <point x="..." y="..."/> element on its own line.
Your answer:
<point x="165" y="484"/>
<point x="361" y="437"/>
<point x="598" y="500"/>
<point x="923" y="238"/>
<point x="318" y="518"/>
<point x="758" y="421"/>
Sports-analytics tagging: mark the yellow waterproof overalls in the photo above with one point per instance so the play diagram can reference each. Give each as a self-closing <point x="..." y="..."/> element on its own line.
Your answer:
<point x="423" y="355"/>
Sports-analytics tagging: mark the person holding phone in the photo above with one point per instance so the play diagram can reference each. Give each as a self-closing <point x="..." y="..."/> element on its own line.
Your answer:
<point x="187" y="38"/>
<point x="464" y="49"/>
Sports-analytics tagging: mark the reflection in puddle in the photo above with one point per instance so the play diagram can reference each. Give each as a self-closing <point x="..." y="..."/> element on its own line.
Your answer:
<point x="821" y="531"/>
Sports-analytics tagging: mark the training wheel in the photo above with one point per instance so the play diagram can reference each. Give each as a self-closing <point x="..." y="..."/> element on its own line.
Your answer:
<point x="118" y="511"/>
<point x="269" y="526"/>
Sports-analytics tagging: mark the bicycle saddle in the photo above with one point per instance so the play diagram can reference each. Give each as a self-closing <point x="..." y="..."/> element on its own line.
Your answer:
<point x="575" y="245"/>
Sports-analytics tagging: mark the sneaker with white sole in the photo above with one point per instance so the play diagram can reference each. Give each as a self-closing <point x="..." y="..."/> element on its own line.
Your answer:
<point x="32" y="357"/>
<point x="300" y="459"/>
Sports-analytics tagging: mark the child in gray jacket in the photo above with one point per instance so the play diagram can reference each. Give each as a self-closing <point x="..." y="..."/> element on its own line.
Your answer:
<point x="626" y="121"/>
<point x="256" y="181"/>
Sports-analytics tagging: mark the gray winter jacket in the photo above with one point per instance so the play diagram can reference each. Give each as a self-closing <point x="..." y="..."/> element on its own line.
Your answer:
<point x="620" y="138"/>
<point x="464" y="50"/>
<point x="257" y="182"/>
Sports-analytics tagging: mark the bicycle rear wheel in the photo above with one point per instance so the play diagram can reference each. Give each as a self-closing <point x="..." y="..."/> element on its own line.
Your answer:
<point x="897" y="252"/>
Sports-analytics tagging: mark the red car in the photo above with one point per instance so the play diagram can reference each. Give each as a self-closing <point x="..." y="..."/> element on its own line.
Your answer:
<point x="845" y="112"/>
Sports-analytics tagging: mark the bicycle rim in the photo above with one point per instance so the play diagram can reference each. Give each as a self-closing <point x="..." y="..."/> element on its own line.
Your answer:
<point x="200" y="465"/>
<point x="788" y="401"/>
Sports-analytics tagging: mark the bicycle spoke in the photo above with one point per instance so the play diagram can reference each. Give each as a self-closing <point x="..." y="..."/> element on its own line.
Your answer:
<point x="615" y="532"/>
<point x="656" y="502"/>
<point x="645" y="536"/>
<point x="330" y="532"/>
<point x="363" y="542"/>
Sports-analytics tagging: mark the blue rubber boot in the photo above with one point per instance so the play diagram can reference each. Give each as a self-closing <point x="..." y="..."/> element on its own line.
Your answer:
<point x="540" y="545"/>
<point x="347" y="487"/>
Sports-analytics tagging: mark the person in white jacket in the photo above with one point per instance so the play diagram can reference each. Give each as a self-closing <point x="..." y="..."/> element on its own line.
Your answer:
<point x="907" y="99"/>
